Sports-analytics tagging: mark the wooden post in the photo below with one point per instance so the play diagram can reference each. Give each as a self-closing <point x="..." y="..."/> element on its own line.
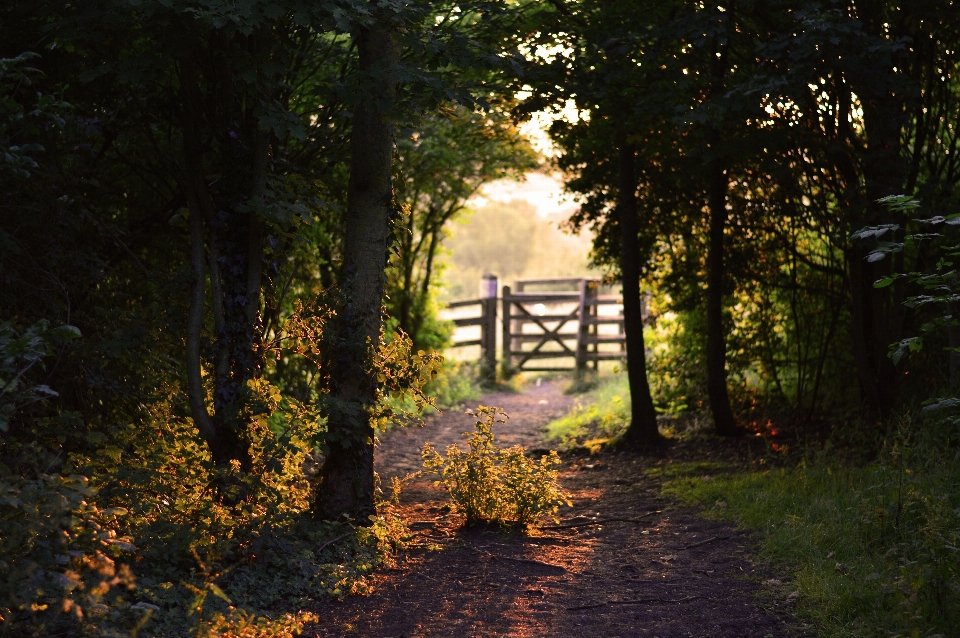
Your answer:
<point x="506" y="360"/>
<point x="488" y="326"/>
<point x="582" y="328"/>
<point x="595" y="329"/>
<point x="588" y="306"/>
<point x="488" y="337"/>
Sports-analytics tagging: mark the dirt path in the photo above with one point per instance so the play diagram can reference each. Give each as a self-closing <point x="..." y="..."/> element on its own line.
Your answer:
<point x="671" y="574"/>
<point x="399" y="450"/>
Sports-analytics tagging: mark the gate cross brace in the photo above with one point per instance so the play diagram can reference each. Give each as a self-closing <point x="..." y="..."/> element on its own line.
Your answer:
<point x="548" y="335"/>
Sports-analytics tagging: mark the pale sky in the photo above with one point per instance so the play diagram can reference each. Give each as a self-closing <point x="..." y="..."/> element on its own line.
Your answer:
<point x="543" y="190"/>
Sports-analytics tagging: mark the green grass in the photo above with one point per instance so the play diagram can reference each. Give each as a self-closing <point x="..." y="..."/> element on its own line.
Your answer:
<point x="600" y="415"/>
<point x="872" y="551"/>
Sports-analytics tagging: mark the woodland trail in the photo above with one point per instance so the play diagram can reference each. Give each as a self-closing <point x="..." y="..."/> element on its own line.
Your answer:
<point x="672" y="574"/>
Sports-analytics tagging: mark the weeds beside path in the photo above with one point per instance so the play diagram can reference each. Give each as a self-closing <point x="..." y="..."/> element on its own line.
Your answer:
<point x="662" y="572"/>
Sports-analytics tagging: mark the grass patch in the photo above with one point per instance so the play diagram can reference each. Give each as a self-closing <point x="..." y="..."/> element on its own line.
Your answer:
<point x="600" y="415"/>
<point x="873" y="550"/>
<point x="699" y="470"/>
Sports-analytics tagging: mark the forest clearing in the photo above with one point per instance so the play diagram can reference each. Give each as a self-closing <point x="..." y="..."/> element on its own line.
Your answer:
<point x="388" y="318"/>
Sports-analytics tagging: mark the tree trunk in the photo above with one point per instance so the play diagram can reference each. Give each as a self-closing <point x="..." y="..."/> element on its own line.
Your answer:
<point x="877" y="315"/>
<point x="642" y="431"/>
<point x="196" y="393"/>
<point x="422" y="299"/>
<point x="725" y="423"/>
<point x="224" y="439"/>
<point x="347" y="480"/>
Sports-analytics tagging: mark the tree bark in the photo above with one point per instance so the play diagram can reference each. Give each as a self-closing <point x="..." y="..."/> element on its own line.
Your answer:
<point x="347" y="479"/>
<point x="423" y="298"/>
<point x="195" y="390"/>
<point x="220" y="429"/>
<point x="230" y="242"/>
<point x="725" y="424"/>
<point x="877" y="315"/>
<point x="642" y="431"/>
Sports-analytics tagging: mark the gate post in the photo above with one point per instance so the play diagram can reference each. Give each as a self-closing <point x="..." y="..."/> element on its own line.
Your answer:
<point x="506" y="359"/>
<point x="488" y="329"/>
<point x="587" y="294"/>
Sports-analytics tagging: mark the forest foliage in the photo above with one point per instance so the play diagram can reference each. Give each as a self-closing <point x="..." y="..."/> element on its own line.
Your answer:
<point x="763" y="137"/>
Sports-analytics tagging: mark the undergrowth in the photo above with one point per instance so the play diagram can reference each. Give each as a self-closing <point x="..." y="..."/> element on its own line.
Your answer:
<point x="493" y="485"/>
<point x="124" y="529"/>
<point x="456" y="383"/>
<point x="874" y="550"/>
<point x="142" y="548"/>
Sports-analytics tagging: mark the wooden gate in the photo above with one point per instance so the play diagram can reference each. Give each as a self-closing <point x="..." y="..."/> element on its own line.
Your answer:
<point x="540" y="326"/>
<point x="558" y="324"/>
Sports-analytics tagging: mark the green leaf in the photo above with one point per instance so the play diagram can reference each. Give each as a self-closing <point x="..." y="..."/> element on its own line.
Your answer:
<point x="883" y="282"/>
<point x="67" y="332"/>
<point x="910" y="344"/>
<point x="899" y="203"/>
<point x="219" y="593"/>
<point x="934" y="405"/>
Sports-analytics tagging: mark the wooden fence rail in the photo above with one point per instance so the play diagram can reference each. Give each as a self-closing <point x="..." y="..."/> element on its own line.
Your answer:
<point x="488" y="329"/>
<point x="546" y="314"/>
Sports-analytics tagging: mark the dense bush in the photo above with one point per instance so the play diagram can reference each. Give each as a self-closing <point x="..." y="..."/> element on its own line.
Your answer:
<point x="119" y="528"/>
<point x="493" y="485"/>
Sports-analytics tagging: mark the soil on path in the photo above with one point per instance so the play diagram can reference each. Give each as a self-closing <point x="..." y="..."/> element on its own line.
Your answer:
<point x="670" y="573"/>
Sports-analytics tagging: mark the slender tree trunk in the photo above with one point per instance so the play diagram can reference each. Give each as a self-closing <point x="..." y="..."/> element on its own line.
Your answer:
<point x="235" y="361"/>
<point x="863" y="333"/>
<point x="642" y="431"/>
<point x="407" y="262"/>
<point x="877" y="315"/>
<point x="822" y="359"/>
<point x="725" y="423"/>
<point x="229" y="241"/>
<point x="225" y="442"/>
<point x="195" y="390"/>
<point x="347" y="479"/>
